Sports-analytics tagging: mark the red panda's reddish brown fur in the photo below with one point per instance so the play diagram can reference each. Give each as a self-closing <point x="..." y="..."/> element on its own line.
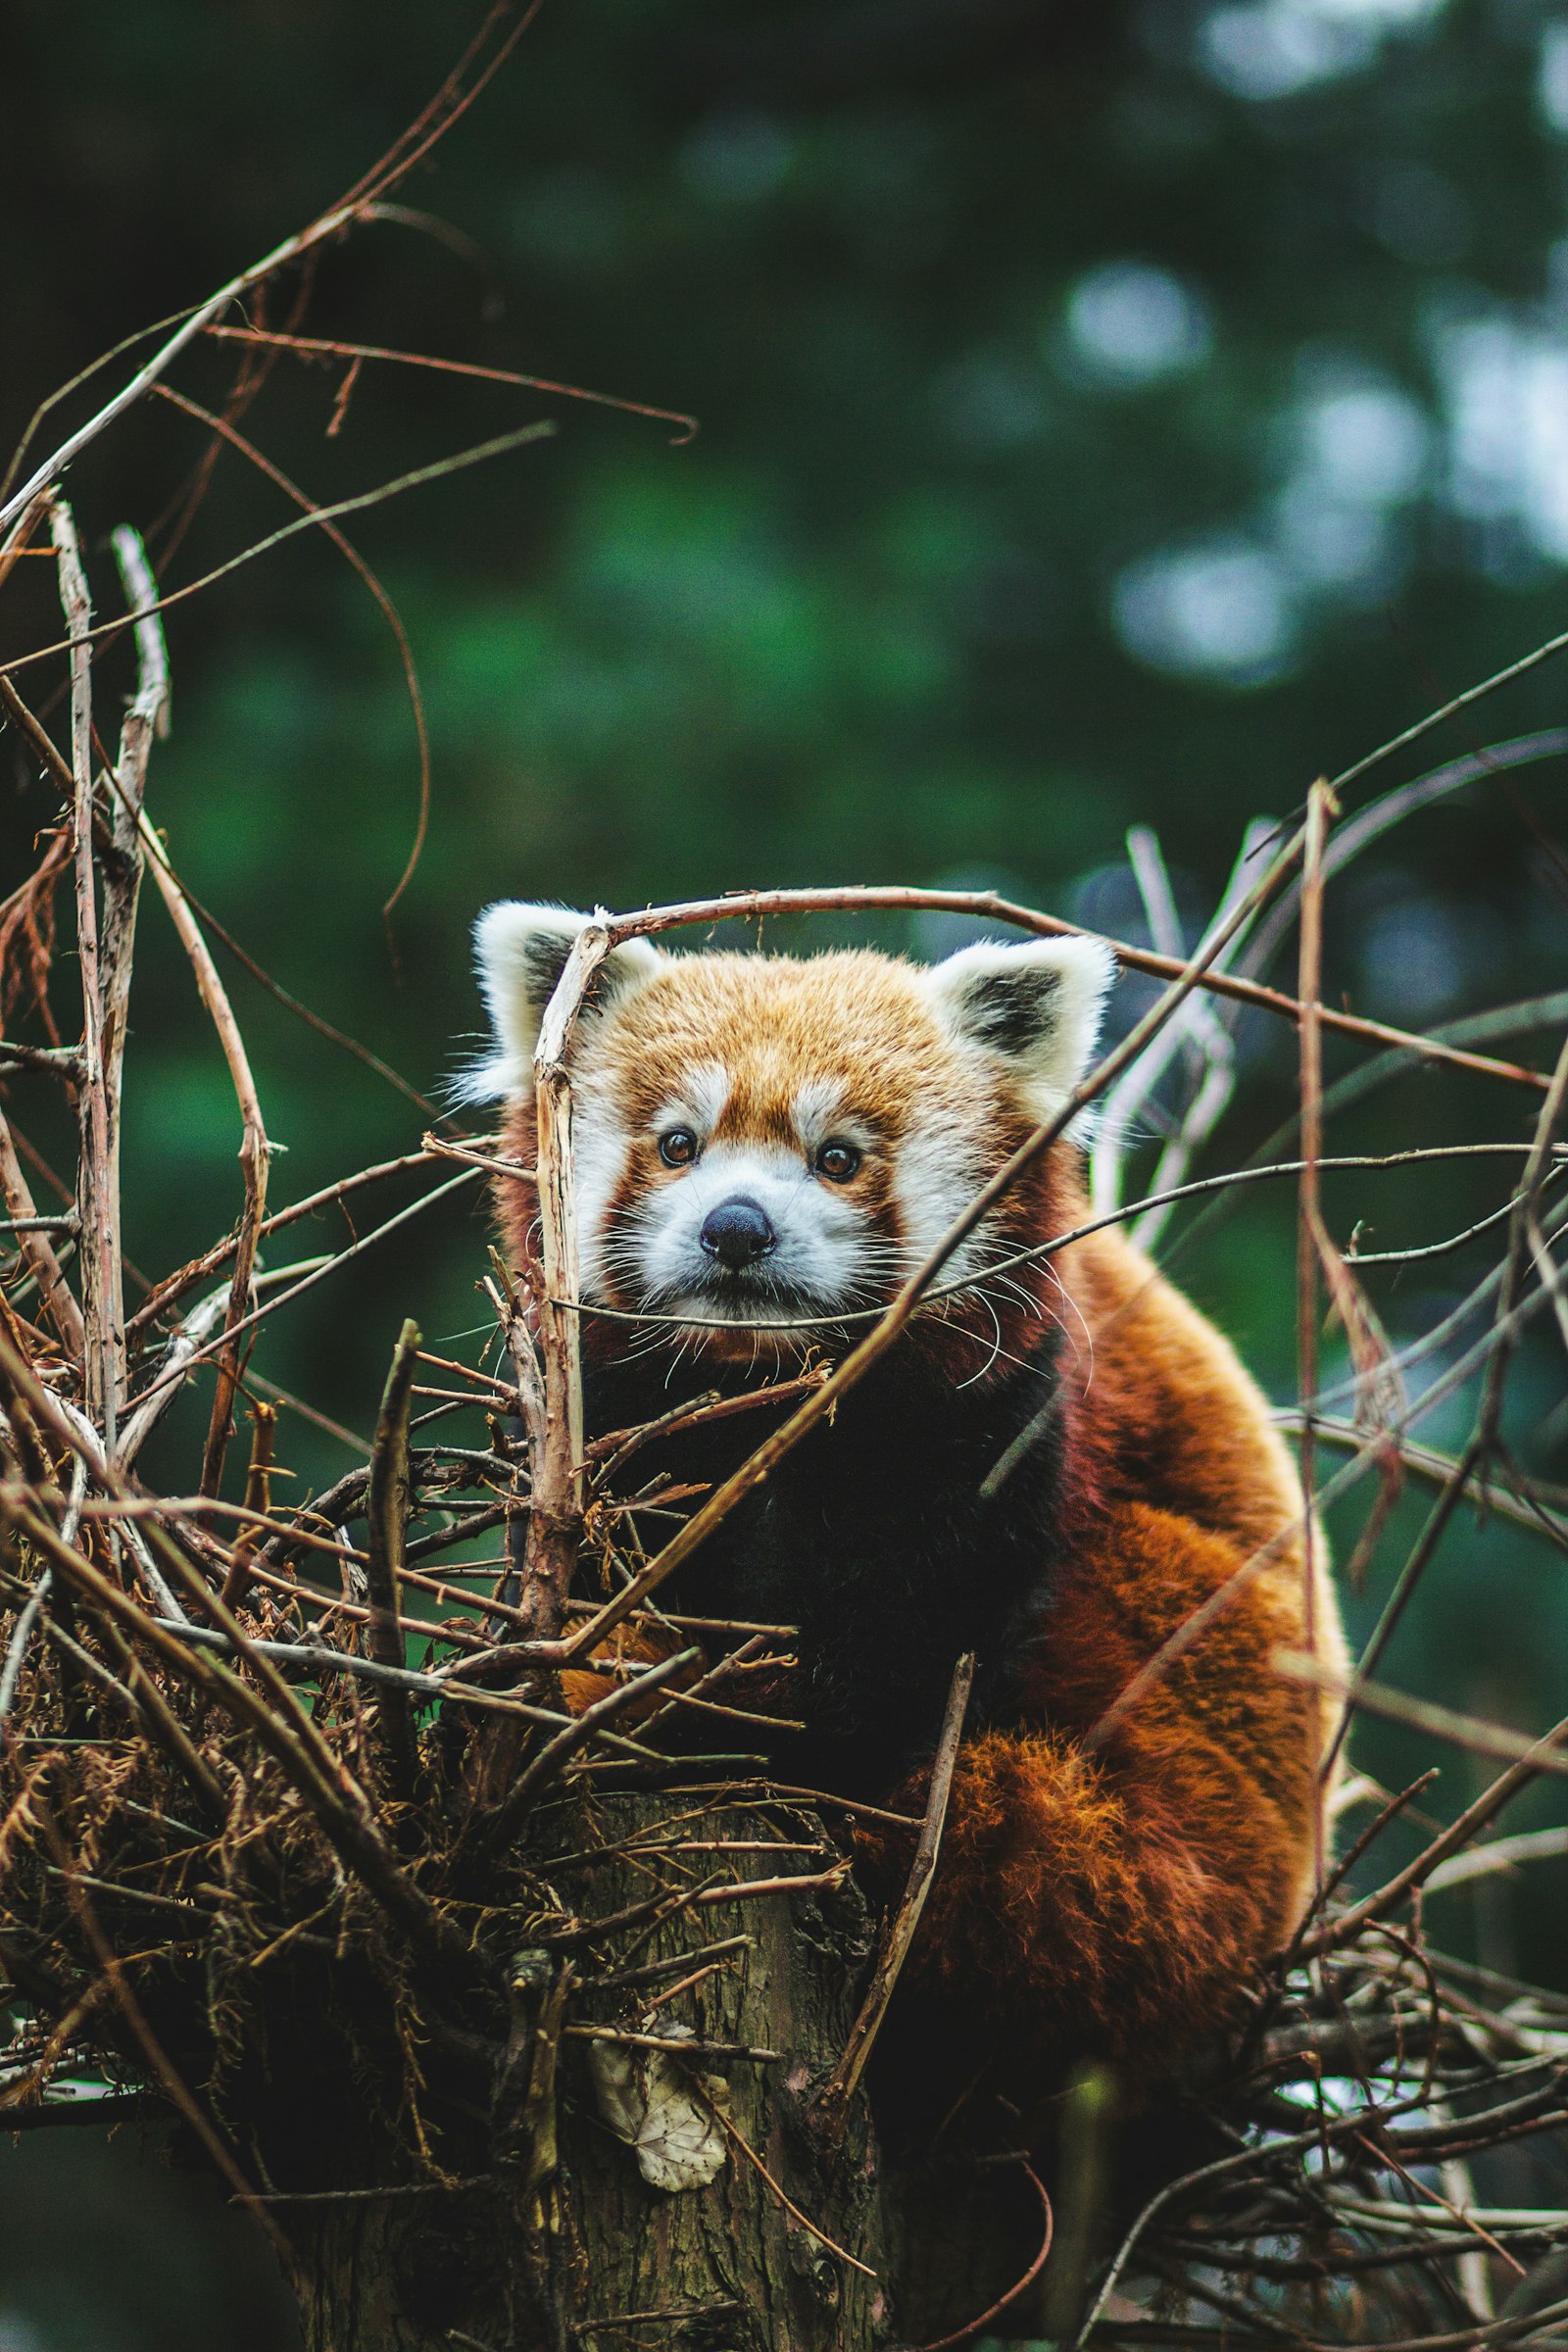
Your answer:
<point x="1107" y="1888"/>
<point x="1128" y="1895"/>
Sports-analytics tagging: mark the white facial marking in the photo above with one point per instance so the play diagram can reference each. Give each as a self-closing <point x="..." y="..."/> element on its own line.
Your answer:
<point x="699" y="1103"/>
<point x="935" y="1179"/>
<point x="815" y="1110"/>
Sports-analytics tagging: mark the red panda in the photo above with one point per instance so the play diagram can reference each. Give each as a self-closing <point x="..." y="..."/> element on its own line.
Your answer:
<point x="1057" y="1465"/>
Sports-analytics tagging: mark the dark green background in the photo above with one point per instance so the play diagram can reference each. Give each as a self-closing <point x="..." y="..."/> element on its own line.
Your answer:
<point x="955" y="582"/>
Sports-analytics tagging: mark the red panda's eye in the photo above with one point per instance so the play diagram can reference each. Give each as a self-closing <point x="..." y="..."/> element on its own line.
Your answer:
<point x="678" y="1148"/>
<point x="838" y="1161"/>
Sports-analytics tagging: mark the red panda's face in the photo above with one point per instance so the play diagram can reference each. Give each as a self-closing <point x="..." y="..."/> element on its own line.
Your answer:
<point x="762" y="1142"/>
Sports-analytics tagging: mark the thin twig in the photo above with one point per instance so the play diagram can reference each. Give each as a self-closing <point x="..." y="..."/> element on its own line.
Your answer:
<point x="1544" y="1756"/>
<point x="463" y="367"/>
<point x="502" y="1828"/>
<point x="750" y="2153"/>
<point x="162" y="1722"/>
<point x="37" y="1250"/>
<point x="335" y="1798"/>
<point x="743" y="906"/>
<point x="173" y="1376"/>
<point x="258" y="1506"/>
<point x="361" y="201"/>
<point x="843" y="2082"/>
<point x="677" y="2044"/>
<point x="1527" y="1204"/>
<point x="331" y="1196"/>
<point x="254" y="1151"/>
<point x="222" y="426"/>
<point x="146" y="715"/>
<point x="188" y="1343"/>
<point x="1311" y="1243"/>
<point x="98" y="1196"/>
<point x="387" y="1520"/>
<point x="994" y="2311"/>
<point x="172" y="2082"/>
<point x="1450" y="710"/>
<point x="1197" y="1028"/>
<point x="502" y="445"/>
<point x="54" y="466"/>
<point x="621" y="1444"/>
<point x="322" y="1659"/>
<point x="1443" y="1723"/>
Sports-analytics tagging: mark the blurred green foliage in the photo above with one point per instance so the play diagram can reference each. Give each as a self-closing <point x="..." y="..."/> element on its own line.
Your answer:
<point x="1104" y="422"/>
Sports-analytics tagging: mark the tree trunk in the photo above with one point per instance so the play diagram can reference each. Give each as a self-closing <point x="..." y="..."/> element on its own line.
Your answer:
<point x="543" y="2257"/>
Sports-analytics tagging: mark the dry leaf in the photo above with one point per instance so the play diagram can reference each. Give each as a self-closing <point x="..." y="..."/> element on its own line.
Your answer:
<point x="648" y="2099"/>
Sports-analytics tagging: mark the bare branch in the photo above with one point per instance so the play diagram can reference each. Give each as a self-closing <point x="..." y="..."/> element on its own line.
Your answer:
<point x="508" y="1817"/>
<point x="254" y="1151"/>
<point x="387" y="1513"/>
<point x="331" y="1196"/>
<point x="32" y="1235"/>
<point x="316" y="1271"/>
<point x="55" y="465"/>
<point x="555" y="1527"/>
<point x="1443" y="1723"/>
<point x="98" y="1194"/>
<point x="742" y="905"/>
<point x="1525" y="1226"/>
<point x="1196" y="1028"/>
<point x="841" y="2086"/>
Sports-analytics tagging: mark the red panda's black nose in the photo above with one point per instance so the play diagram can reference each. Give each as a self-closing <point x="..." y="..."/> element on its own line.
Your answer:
<point x="737" y="1233"/>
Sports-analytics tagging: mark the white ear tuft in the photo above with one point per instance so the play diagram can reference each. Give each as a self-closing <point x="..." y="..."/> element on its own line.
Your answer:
<point x="519" y="951"/>
<point x="1037" y="1006"/>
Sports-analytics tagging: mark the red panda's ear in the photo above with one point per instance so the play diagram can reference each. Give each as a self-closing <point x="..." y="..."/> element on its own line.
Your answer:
<point x="519" y="951"/>
<point x="1036" y="1006"/>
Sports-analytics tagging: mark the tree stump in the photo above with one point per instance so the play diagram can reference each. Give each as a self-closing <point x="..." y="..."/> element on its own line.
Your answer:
<point x="570" y="2244"/>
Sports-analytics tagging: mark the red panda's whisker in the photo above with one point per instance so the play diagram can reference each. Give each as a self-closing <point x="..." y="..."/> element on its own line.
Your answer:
<point x="990" y="1362"/>
<point x="1069" y="1301"/>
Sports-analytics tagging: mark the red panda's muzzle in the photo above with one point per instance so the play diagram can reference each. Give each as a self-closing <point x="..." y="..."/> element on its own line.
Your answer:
<point x="742" y="1238"/>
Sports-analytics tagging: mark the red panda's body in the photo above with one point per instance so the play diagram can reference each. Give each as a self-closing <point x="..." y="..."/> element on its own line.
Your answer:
<point x="1055" y="1468"/>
